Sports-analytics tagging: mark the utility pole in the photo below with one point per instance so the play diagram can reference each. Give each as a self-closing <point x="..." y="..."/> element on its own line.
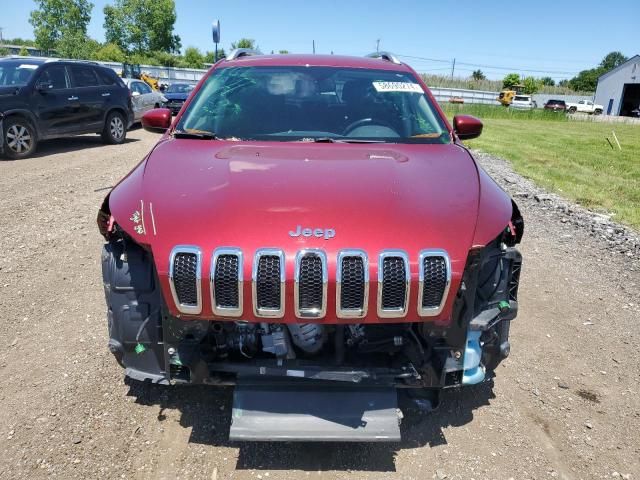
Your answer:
<point x="314" y="46"/>
<point x="453" y="67"/>
<point x="377" y="45"/>
<point x="1" y="40"/>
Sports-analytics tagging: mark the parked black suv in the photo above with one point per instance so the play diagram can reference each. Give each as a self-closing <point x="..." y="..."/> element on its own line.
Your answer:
<point x="42" y="99"/>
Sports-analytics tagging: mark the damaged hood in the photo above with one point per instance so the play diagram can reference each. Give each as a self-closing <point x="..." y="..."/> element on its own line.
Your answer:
<point x="298" y="195"/>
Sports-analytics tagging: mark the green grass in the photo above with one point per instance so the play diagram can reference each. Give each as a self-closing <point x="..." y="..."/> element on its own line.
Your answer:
<point x="498" y="111"/>
<point x="573" y="159"/>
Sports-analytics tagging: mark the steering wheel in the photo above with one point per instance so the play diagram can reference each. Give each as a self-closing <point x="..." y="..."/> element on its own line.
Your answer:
<point x="365" y="121"/>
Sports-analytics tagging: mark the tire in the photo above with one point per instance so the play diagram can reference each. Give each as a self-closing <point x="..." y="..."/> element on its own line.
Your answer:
<point x="19" y="138"/>
<point x="597" y="111"/>
<point x="572" y="110"/>
<point x="115" y="129"/>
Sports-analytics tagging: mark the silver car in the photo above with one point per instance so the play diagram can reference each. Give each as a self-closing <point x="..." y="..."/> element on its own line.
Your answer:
<point x="143" y="97"/>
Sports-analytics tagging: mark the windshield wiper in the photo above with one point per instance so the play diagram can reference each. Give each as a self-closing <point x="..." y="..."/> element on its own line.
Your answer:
<point x="345" y="140"/>
<point x="195" y="134"/>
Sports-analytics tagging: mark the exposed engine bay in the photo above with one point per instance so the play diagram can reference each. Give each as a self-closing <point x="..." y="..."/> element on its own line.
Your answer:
<point x="155" y="346"/>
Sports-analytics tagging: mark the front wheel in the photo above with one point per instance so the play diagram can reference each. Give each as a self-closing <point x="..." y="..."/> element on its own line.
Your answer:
<point x="19" y="138"/>
<point x="572" y="110"/>
<point x="115" y="129"/>
<point x="597" y="111"/>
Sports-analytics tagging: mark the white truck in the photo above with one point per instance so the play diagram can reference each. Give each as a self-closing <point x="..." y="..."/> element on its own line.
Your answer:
<point x="584" y="106"/>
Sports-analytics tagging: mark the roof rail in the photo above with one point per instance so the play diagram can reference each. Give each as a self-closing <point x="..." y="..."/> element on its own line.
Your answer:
<point x="242" y="52"/>
<point x="387" y="56"/>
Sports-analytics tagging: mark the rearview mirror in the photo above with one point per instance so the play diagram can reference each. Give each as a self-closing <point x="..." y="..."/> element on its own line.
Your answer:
<point x="135" y="94"/>
<point x="467" y="127"/>
<point x="157" y="120"/>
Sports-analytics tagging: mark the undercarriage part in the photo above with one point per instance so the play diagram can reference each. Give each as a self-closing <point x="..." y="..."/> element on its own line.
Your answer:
<point x="473" y="369"/>
<point x="276" y="340"/>
<point x="308" y="337"/>
<point x="309" y="413"/>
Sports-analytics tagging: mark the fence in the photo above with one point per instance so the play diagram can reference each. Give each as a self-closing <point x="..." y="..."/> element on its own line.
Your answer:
<point x="443" y="95"/>
<point x="164" y="74"/>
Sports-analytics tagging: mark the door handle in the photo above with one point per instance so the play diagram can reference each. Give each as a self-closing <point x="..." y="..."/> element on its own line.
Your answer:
<point x="73" y="97"/>
<point x="106" y="94"/>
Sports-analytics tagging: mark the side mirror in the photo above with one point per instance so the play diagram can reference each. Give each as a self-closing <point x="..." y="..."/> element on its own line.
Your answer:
<point x="43" y="86"/>
<point x="467" y="127"/>
<point x="157" y="120"/>
<point x="135" y="94"/>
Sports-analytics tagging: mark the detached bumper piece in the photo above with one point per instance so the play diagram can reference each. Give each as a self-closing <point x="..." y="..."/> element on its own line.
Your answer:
<point x="308" y="413"/>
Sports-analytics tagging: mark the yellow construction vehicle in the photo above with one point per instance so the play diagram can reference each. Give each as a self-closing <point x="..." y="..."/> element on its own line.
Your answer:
<point x="133" y="71"/>
<point x="507" y="94"/>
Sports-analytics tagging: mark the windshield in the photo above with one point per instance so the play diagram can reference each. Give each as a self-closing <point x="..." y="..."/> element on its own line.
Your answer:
<point x="179" y="88"/>
<point x="311" y="103"/>
<point x="521" y="99"/>
<point x="16" y="73"/>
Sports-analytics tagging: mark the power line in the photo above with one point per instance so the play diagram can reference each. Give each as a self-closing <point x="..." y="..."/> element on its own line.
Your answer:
<point x="493" y="67"/>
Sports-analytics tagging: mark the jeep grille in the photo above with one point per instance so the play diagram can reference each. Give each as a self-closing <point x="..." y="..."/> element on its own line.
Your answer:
<point x="226" y="282"/>
<point x="184" y="277"/>
<point x="434" y="280"/>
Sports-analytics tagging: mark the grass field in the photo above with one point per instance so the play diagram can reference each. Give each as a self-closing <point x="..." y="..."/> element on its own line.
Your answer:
<point x="571" y="158"/>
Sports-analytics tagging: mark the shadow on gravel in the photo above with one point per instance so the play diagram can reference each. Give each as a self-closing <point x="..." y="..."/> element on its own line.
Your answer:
<point x="207" y="411"/>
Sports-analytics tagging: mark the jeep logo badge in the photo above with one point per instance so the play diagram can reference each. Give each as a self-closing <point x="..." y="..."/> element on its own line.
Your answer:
<point x="326" y="233"/>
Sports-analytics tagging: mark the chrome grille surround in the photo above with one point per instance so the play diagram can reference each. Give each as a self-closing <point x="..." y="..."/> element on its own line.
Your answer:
<point x="261" y="311"/>
<point x="393" y="312"/>
<point x="352" y="312"/>
<point x="431" y="311"/>
<point x="306" y="312"/>
<point x="222" y="310"/>
<point x="190" y="309"/>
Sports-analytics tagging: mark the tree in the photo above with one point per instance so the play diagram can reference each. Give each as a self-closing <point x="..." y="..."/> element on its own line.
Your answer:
<point x="612" y="60"/>
<point x="478" y="75"/>
<point x="142" y="26"/>
<point x="77" y="45"/>
<point x="210" y="57"/>
<point x="193" y="58"/>
<point x="510" y="80"/>
<point x="587" y="80"/>
<point x="563" y="83"/>
<point x="548" y="81"/>
<point x="23" y="52"/>
<point x="56" y="19"/>
<point x="4" y="52"/>
<point x="244" y="43"/>
<point x="531" y="85"/>
<point x="109" y="52"/>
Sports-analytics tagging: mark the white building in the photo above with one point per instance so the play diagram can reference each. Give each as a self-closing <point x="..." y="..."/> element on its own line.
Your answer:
<point x="618" y="90"/>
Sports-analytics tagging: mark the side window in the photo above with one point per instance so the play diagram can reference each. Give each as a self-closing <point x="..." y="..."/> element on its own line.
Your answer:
<point x="144" y="88"/>
<point x="106" y="77"/>
<point x="83" y="76"/>
<point x="56" y="75"/>
<point x="133" y="86"/>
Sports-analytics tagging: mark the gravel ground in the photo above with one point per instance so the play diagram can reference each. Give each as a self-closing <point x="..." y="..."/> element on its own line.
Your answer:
<point x="566" y="404"/>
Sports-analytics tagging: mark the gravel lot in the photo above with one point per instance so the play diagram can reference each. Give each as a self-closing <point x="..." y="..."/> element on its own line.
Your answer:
<point x="566" y="404"/>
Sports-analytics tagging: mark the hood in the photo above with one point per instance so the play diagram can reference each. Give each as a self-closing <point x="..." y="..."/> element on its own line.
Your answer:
<point x="256" y="195"/>
<point x="175" y="96"/>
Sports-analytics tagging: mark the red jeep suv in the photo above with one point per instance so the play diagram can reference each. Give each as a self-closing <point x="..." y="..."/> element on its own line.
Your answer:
<point x="311" y="230"/>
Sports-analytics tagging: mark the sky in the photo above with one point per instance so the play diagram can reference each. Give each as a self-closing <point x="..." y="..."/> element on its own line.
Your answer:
<point x="545" y="38"/>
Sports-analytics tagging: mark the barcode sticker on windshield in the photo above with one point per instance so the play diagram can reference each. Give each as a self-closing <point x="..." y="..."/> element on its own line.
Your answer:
<point x="397" y="87"/>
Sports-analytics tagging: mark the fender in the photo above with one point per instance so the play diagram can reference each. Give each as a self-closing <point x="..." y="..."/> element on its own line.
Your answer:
<point x="24" y="113"/>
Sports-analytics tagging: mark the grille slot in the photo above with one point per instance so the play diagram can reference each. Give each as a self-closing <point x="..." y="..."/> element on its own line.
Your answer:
<point x="226" y="282"/>
<point x="393" y="284"/>
<point x="184" y="277"/>
<point x="352" y="284"/>
<point x="435" y="278"/>
<point x="268" y="283"/>
<point x="310" y="291"/>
